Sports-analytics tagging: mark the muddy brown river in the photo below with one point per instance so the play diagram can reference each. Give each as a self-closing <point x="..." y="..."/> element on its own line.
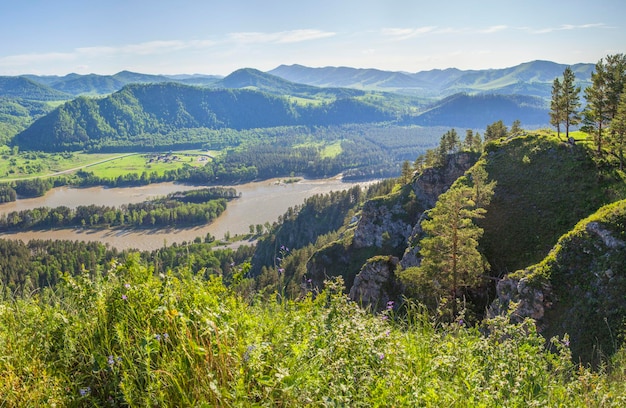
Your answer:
<point x="260" y="202"/>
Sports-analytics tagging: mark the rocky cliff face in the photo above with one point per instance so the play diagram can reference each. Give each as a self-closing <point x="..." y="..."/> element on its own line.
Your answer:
<point x="393" y="222"/>
<point x="376" y="284"/>
<point x="382" y="222"/>
<point x="579" y="288"/>
<point x="435" y="181"/>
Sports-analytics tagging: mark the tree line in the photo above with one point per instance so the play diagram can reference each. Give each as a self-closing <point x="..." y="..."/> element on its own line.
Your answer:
<point x="28" y="267"/>
<point x="604" y="115"/>
<point x="185" y="208"/>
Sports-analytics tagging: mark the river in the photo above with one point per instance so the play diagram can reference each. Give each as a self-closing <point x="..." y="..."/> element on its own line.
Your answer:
<point x="260" y="202"/>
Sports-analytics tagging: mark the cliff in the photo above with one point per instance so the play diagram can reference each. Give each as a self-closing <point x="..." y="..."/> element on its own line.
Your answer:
<point x="578" y="288"/>
<point x="386" y="227"/>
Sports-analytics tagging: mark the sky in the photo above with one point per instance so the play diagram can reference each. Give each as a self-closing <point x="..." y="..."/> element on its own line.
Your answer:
<point x="59" y="37"/>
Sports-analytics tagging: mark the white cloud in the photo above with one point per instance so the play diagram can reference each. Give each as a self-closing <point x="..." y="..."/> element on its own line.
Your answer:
<point x="292" y="36"/>
<point x="493" y="29"/>
<point x="401" y="34"/>
<point x="567" y="27"/>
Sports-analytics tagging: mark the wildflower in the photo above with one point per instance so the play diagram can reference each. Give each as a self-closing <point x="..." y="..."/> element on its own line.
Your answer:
<point x="124" y="297"/>
<point x="390" y="304"/>
<point x="281" y="270"/>
<point x="387" y="333"/>
<point x="166" y="336"/>
<point x="84" y="391"/>
<point x="309" y="280"/>
<point x="111" y="361"/>
<point x="246" y="354"/>
<point x="158" y="337"/>
<point x="127" y="285"/>
<point x="381" y="356"/>
<point x="384" y="317"/>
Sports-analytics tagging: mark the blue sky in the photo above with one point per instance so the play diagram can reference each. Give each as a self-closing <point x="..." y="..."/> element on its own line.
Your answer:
<point x="218" y="37"/>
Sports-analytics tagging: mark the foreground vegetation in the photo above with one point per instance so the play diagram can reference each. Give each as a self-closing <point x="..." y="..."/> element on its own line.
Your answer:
<point x="130" y="337"/>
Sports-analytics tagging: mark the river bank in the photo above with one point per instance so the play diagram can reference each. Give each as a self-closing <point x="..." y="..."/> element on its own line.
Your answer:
<point x="260" y="202"/>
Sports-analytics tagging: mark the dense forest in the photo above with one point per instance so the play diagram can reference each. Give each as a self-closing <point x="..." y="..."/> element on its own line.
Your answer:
<point x="162" y="109"/>
<point x="178" y="209"/>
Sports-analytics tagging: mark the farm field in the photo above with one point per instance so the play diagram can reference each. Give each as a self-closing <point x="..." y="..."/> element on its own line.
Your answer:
<point x="29" y="165"/>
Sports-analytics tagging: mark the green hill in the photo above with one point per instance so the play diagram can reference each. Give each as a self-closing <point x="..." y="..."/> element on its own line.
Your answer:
<point x="16" y="114"/>
<point x="473" y="111"/>
<point x="545" y="186"/>
<point x="140" y="112"/>
<point x="22" y="87"/>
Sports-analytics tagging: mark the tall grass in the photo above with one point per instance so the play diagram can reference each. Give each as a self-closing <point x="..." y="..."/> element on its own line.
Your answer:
<point x="131" y="338"/>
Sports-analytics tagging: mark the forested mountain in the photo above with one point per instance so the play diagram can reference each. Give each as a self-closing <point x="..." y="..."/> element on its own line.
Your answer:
<point x="163" y="109"/>
<point x="531" y="78"/>
<point x="16" y="114"/>
<point x="350" y="77"/>
<point x="380" y="95"/>
<point x="22" y="87"/>
<point x="94" y="84"/>
<point x="275" y="85"/>
<point x="472" y="111"/>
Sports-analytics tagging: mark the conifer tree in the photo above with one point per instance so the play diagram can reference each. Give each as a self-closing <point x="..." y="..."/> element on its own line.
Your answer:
<point x="570" y="104"/>
<point x="556" y="108"/>
<point x="617" y="139"/>
<point x="495" y="131"/>
<point x="603" y="97"/>
<point x="596" y="115"/>
<point x="450" y="257"/>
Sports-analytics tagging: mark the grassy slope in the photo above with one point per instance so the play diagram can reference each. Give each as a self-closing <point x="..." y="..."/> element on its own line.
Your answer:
<point x="588" y="279"/>
<point x="545" y="187"/>
<point x="136" y="339"/>
<point x="105" y="165"/>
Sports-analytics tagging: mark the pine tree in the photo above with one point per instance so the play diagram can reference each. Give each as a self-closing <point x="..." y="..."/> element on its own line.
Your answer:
<point x="495" y="131"/>
<point x="595" y="115"/>
<point x="556" y="108"/>
<point x="617" y="139"/>
<point x="570" y="95"/>
<point x="449" y="251"/>
<point x="603" y="97"/>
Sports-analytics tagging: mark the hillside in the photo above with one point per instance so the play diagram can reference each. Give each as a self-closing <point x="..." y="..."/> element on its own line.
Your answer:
<point x="532" y="78"/>
<point x="583" y="276"/>
<point x="275" y="85"/>
<point x="25" y="88"/>
<point x="155" y="110"/>
<point x="16" y="114"/>
<point x="473" y="111"/>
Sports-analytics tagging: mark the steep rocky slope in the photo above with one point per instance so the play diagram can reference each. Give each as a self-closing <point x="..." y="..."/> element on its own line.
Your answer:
<point x="385" y="227"/>
<point x="578" y="288"/>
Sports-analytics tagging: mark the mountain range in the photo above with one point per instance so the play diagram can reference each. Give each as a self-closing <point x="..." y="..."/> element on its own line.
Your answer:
<point x="531" y="78"/>
<point x="309" y="96"/>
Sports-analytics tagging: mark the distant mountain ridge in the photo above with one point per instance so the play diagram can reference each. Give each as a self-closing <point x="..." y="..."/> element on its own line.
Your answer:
<point x="94" y="84"/>
<point x="531" y="78"/>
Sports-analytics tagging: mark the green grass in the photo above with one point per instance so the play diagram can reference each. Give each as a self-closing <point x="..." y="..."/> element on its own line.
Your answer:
<point x="136" y="164"/>
<point x="544" y="187"/>
<point x="331" y="151"/>
<point x="110" y="165"/>
<point x="135" y="339"/>
<point x="38" y="164"/>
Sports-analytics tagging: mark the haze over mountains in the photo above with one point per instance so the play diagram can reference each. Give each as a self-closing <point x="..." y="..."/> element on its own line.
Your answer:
<point x="531" y="78"/>
<point x="125" y="105"/>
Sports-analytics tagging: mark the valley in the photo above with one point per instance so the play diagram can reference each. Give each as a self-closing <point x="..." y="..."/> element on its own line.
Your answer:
<point x="315" y="236"/>
<point x="260" y="202"/>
